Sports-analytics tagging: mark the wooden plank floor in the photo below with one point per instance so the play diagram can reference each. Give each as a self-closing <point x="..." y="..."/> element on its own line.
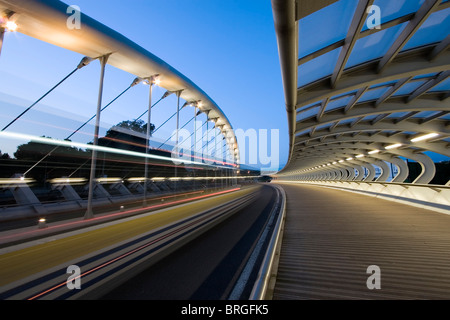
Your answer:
<point x="331" y="237"/>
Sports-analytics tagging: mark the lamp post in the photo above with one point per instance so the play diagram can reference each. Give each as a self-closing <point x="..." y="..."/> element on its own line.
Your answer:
<point x="6" y="25"/>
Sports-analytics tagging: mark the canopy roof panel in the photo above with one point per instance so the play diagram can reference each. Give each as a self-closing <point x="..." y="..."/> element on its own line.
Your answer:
<point x="369" y="74"/>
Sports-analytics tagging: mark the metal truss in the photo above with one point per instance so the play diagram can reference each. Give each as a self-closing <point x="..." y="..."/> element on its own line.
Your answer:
<point x="370" y="114"/>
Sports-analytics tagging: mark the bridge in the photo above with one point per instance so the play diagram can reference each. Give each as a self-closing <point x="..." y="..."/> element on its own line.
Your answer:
<point x="359" y="211"/>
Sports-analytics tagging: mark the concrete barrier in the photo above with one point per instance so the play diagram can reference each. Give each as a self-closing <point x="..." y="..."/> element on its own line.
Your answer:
<point x="430" y="197"/>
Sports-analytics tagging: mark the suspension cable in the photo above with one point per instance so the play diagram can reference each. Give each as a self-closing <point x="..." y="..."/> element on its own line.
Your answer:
<point x="164" y="96"/>
<point x="174" y="133"/>
<point x="84" y="62"/>
<point x="78" y="129"/>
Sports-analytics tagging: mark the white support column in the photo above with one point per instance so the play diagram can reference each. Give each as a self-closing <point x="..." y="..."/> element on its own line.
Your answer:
<point x="351" y="172"/>
<point x="147" y="139"/>
<point x="403" y="170"/>
<point x="428" y="169"/>
<point x="177" y="150"/>
<point x="360" y="175"/>
<point x="385" y="171"/>
<point x="372" y="172"/>
<point x="89" y="213"/>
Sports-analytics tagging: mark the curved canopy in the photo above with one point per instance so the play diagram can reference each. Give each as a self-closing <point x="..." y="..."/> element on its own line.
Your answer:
<point x="46" y="20"/>
<point x="364" y="81"/>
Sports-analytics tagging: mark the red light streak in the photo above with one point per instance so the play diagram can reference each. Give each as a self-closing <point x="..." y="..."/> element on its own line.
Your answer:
<point x="130" y="252"/>
<point x="81" y="222"/>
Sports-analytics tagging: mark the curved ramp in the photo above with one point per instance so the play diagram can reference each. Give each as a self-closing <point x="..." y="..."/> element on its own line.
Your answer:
<point x="332" y="237"/>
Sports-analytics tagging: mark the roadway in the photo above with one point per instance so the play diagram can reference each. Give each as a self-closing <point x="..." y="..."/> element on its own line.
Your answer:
<point x="208" y="267"/>
<point x="202" y="245"/>
<point x="331" y="237"/>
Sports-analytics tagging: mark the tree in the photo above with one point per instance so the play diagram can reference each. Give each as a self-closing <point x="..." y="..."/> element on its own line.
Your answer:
<point x="136" y="125"/>
<point x="36" y="150"/>
<point x="4" y="156"/>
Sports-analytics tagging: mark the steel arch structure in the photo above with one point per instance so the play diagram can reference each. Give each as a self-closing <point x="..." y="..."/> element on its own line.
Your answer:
<point x="46" y="20"/>
<point x="365" y="107"/>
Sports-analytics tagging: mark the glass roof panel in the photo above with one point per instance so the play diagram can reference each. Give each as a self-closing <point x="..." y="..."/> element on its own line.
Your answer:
<point x="398" y="114"/>
<point x="346" y="121"/>
<point x="307" y="106"/>
<point x="391" y="10"/>
<point x="370" y="117"/>
<point x="325" y="26"/>
<point x="323" y="126"/>
<point x="409" y="88"/>
<point x="345" y="94"/>
<point x="425" y="114"/>
<point x="302" y="133"/>
<point x="435" y="29"/>
<point x="428" y="75"/>
<point x="338" y="103"/>
<point x="384" y="84"/>
<point x="443" y="86"/>
<point x="317" y="68"/>
<point x="307" y="114"/>
<point x="373" y="94"/>
<point x="374" y="46"/>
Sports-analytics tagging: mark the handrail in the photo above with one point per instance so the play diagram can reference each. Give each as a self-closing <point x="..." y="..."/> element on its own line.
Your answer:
<point x="263" y="285"/>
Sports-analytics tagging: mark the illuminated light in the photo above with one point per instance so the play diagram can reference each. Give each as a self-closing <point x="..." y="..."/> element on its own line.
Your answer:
<point x="349" y="159"/>
<point x="11" y="26"/>
<point x="136" y="179"/>
<point x="334" y="162"/>
<point x="360" y="156"/>
<point x="374" y="151"/>
<point x="393" y="146"/>
<point x="15" y="181"/>
<point x="425" y="137"/>
<point x="157" y="81"/>
<point x="158" y="179"/>
<point x="133" y="250"/>
<point x="67" y="180"/>
<point x="42" y="223"/>
<point x="108" y="180"/>
<point x="340" y="161"/>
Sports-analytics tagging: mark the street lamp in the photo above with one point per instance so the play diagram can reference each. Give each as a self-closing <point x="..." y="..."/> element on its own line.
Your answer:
<point x="6" y="24"/>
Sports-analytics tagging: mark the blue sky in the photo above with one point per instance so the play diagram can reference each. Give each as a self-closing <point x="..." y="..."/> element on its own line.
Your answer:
<point x="228" y="48"/>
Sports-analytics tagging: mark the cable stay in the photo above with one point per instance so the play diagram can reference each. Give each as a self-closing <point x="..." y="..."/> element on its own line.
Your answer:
<point x="174" y="133"/>
<point x="136" y="81"/>
<point x="84" y="62"/>
<point x="134" y="121"/>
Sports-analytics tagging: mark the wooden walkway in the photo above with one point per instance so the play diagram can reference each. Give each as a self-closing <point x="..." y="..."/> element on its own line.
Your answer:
<point x="331" y="237"/>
